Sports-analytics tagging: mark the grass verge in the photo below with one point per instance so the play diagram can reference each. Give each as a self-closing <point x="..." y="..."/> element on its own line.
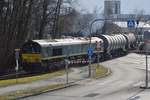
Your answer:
<point x="28" y="92"/>
<point x="99" y="71"/>
<point x="4" y="83"/>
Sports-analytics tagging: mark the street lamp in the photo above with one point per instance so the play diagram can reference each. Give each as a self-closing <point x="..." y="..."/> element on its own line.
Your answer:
<point x="146" y="70"/>
<point x="146" y="61"/>
<point x="91" y="24"/>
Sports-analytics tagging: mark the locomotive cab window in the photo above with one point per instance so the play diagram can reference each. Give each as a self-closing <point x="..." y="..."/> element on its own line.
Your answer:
<point x="57" y="52"/>
<point x="31" y="48"/>
<point x="45" y="52"/>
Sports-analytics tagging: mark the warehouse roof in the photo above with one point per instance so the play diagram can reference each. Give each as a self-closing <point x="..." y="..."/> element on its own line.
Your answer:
<point x="123" y="24"/>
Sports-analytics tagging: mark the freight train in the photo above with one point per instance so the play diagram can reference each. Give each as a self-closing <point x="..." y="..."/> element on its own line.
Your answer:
<point x="49" y="54"/>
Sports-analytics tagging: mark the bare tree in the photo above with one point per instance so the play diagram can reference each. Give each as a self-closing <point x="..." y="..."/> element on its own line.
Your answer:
<point x="29" y="19"/>
<point x="139" y="13"/>
<point x="55" y="30"/>
<point x="14" y="22"/>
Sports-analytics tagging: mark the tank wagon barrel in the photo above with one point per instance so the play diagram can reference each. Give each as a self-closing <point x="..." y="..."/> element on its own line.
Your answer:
<point x="113" y="42"/>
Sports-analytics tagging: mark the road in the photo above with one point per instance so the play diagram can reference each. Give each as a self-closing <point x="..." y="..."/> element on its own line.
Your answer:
<point x="127" y="76"/>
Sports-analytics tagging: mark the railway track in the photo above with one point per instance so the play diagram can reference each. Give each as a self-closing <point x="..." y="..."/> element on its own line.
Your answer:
<point x="19" y="75"/>
<point x="137" y="51"/>
<point x="22" y="74"/>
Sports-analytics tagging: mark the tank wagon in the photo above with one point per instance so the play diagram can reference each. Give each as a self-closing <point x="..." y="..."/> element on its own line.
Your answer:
<point x="49" y="54"/>
<point x="38" y="55"/>
<point x="117" y="45"/>
<point x="113" y="44"/>
<point x="131" y="41"/>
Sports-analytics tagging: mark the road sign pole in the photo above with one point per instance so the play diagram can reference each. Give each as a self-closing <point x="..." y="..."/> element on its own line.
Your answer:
<point x="90" y="66"/>
<point x="90" y="53"/>
<point x="98" y="56"/>
<point x="67" y="81"/>
<point x="17" y="62"/>
<point x="146" y="77"/>
<point x="17" y="66"/>
<point x="67" y="66"/>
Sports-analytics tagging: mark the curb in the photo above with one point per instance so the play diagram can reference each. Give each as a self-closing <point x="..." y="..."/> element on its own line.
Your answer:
<point x="108" y="73"/>
<point x="63" y="87"/>
<point x="51" y="90"/>
<point x="70" y="84"/>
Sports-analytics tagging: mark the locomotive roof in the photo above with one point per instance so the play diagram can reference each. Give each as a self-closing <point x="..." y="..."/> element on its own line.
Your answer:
<point x="66" y="41"/>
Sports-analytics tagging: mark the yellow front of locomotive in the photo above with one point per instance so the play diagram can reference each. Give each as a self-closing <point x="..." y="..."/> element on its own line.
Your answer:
<point x="31" y="57"/>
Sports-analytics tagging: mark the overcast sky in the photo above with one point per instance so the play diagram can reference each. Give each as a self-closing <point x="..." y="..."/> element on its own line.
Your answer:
<point x="127" y="6"/>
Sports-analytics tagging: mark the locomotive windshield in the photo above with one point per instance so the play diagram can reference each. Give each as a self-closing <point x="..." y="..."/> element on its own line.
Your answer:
<point x="31" y="48"/>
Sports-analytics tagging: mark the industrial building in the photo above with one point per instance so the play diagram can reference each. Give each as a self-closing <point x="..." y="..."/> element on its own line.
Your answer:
<point x="112" y="10"/>
<point x="112" y="7"/>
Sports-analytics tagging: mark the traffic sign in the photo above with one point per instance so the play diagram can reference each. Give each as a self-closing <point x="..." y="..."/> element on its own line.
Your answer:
<point x="17" y="53"/>
<point x="67" y="61"/>
<point x="90" y="52"/>
<point x="131" y="23"/>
